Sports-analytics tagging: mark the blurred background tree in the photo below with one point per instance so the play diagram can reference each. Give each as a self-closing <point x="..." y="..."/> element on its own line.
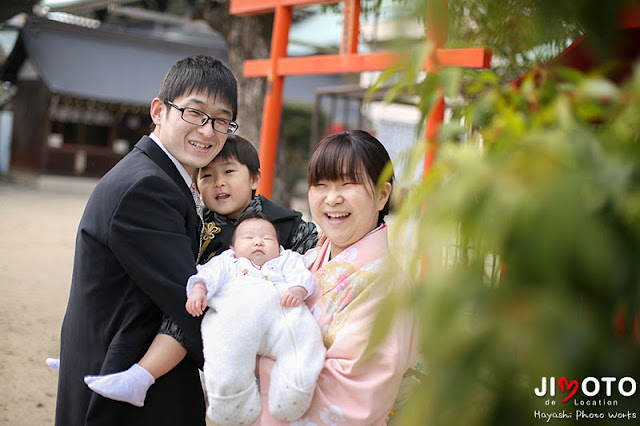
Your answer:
<point x="525" y="233"/>
<point x="294" y="151"/>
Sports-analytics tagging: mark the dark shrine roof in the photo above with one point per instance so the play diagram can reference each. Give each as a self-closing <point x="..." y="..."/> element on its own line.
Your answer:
<point x="100" y="64"/>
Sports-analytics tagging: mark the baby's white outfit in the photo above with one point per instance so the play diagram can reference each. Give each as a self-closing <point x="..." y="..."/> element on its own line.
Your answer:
<point x="245" y="319"/>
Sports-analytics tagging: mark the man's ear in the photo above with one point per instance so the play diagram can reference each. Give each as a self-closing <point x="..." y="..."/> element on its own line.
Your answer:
<point x="157" y="111"/>
<point x="255" y="180"/>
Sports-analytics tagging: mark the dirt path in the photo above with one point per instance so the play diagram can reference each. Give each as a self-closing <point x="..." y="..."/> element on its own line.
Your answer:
<point x="37" y="233"/>
<point x="38" y="224"/>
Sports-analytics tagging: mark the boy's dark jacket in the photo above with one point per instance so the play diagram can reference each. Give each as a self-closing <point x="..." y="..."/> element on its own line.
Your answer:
<point x="285" y="220"/>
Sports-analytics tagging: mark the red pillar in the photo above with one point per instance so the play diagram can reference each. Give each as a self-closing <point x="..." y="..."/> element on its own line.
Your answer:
<point x="437" y="30"/>
<point x="273" y="100"/>
<point x="350" y="27"/>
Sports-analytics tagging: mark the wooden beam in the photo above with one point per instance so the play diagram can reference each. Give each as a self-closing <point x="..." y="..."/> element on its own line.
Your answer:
<point x="256" y="7"/>
<point x="475" y="57"/>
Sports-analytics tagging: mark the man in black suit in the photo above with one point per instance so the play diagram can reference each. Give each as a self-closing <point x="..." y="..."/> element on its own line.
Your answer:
<point x="136" y="246"/>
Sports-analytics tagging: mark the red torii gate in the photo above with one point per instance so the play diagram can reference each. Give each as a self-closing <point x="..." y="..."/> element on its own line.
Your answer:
<point x="347" y="61"/>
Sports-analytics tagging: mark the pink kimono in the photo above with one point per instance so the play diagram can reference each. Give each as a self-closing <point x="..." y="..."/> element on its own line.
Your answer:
<point x="352" y="390"/>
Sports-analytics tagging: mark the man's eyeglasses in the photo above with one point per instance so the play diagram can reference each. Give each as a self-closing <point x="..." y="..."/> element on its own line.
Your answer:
<point x="199" y="118"/>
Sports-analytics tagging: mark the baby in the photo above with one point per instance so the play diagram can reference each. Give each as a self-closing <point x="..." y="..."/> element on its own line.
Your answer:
<point x="254" y="290"/>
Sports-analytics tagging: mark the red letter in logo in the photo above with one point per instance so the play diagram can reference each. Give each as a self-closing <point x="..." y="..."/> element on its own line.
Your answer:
<point x="562" y="382"/>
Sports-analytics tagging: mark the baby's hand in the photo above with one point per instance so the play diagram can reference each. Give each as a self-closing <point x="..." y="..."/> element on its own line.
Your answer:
<point x="196" y="303"/>
<point x="293" y="296"/>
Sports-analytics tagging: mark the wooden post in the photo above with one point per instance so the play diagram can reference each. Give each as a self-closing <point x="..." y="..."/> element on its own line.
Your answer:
<point x="437" y="31"/>
<point x="350" y="27"/>
<point x="273" y="101"/>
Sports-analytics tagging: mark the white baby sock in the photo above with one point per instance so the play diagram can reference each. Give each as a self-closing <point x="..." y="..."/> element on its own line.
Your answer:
<point x="128" y="386"/>
<point x="53" y="363"/>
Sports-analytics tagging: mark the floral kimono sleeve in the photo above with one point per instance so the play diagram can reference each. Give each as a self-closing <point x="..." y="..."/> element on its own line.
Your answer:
<point x="358" y="388"/>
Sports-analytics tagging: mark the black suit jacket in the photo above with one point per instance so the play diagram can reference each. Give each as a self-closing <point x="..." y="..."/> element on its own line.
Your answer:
<point x="135" y="249"/>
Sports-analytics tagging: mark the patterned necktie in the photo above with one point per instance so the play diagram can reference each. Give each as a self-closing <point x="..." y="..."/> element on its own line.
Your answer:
<point x="199" y="209"/>
<point x="198" y="202"/>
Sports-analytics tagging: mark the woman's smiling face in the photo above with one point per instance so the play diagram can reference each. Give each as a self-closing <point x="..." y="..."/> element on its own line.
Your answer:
<point x="346" y="210"/>
<point x="342" y="175"/>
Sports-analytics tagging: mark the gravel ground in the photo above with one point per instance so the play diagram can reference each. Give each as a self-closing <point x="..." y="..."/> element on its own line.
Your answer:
<point x="38" y="221"/>
<point x="38" y="224"/>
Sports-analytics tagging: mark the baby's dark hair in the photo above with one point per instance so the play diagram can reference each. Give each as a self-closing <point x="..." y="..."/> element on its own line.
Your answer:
<point x="251" y="215"/>
<point x="349" y="155"/>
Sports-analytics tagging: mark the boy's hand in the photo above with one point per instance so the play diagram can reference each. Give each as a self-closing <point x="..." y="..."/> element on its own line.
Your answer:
<point x="294" y="296"/>
<point x="196" y="303"/>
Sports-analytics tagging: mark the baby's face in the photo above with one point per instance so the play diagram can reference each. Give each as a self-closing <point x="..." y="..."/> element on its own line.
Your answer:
<point x="257" y="240"/>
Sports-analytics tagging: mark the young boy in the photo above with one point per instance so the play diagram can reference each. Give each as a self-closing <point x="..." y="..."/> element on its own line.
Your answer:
<point x="246" y="287"/>
<point x="227" y="187"/>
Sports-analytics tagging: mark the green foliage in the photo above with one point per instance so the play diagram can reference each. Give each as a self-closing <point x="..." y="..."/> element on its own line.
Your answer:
<point x="505" y="26"/>
<point x="526" y="33"/>
<point x="524" y="242"/>
<point x="554" y="196"/>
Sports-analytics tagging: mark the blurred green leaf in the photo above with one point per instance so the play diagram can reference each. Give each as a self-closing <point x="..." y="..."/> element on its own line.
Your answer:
<point x="521" y="244"/>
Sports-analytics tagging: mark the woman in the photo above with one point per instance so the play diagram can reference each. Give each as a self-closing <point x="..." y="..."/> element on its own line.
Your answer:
<point x="355" y="387"/>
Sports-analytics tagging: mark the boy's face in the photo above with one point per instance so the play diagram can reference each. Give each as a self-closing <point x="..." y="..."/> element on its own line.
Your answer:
<point x="226" y="186"/>
<point x="193" y="146"/>
<point x="257" y="240"/>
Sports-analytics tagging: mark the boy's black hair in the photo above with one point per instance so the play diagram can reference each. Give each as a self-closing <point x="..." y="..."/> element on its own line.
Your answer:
<point x="238" y="148"/>
<point x="248" y="215"/>
<point x="347" y="155"/>
<point x="200" y="73"/>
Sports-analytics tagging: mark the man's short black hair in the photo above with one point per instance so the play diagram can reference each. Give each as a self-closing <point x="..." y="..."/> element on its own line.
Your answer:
<point x="200" y="73"/>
